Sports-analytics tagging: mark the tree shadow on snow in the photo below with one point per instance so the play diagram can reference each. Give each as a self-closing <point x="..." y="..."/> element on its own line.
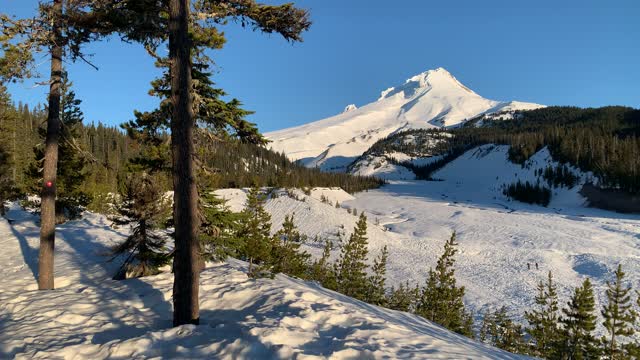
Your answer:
<point x="29" y="254"/>
<point x="127" y="308"/>
<point x="92" y="258"/>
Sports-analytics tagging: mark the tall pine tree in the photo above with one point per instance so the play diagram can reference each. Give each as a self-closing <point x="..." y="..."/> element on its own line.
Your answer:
<point x="351" y="268"/>
<point x="376" y="287"/>
<point x="544" y="319"/>
<point x="72" y="161"/>
<point x="578" y="340"/>
<point x="61" y="28"/>
<point x="619" y="315"/>
<point x="189" y="33"/>
<point x="254" y="231"/>
<point x="441" y="300"/>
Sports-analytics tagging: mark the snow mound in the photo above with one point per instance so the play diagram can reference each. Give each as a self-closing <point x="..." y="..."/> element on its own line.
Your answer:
<point x="432" y="99"/>
<point x="93" y="317"/>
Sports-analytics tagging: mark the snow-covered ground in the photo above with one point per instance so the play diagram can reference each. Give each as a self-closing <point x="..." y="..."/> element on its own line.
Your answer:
<point x="90" y="316"/>
<point x="432" y="99"/>
<point x="497" y="237"/>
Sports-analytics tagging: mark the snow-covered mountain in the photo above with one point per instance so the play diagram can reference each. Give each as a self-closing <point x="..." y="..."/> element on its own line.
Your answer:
<point x="432" y="99"/>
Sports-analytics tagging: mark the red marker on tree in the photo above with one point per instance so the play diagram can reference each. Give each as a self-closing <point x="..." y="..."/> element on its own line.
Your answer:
<point x="48" y="184"/>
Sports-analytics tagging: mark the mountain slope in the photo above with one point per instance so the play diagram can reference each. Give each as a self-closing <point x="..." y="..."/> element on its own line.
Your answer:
<point x="90" y="316"/>
<point x="432" y="99"/>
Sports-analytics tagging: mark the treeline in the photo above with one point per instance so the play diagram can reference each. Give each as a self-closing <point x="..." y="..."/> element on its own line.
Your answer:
<point x="97" y="153"/>
<point x="241" y="164"/>
<point x="95" y="159"/>
<point x="528" y="193"/>
<point x="604" y="141"/>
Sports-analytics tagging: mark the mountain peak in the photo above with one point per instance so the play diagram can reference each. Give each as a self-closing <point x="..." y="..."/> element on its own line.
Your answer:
<point x="350" y="107"/>
<point x="439" y="79"/>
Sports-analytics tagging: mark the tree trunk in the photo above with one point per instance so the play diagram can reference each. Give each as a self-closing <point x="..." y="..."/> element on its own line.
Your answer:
<point x="185" y="197"/>
<point x="48" y="199"/>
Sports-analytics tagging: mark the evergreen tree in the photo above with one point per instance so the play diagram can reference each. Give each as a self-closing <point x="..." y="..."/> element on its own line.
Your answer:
<point x="441" y="300"/>
<point x="619" y="316"/>
<point x="144" y="208"/>
<point x="72" y="163"/>
<point x="403" y="298"/>
<point x="544" y="319"/>
<point x="218" y="229"/>
<point x="62" y="28"/>
<point x="579" y="324"/>
<point x="286" y="256"/>
<point x="321" y="269"/>
<point x="499" y="330"/>
<point x="376" y="291"/>
<point x="351" y="275"/>
<point x="254" y="230"/>
<point x="6" y="178"/>
<point x="189" y="35"/>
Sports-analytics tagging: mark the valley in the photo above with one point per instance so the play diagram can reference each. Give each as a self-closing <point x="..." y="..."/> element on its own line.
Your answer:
<point x="506" y="247"/>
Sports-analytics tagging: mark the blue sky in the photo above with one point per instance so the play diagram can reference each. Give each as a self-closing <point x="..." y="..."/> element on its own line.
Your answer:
<point x="583" y="53"/>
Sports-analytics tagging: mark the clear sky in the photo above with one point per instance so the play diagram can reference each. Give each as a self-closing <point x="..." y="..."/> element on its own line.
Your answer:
<point x="568" y="52"/>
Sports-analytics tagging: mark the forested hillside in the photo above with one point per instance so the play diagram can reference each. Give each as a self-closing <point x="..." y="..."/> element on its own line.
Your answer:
<point x="604" y="141"/>
<point x="100" y="156"/>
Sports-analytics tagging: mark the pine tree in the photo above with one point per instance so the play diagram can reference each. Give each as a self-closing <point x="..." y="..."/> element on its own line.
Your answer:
<point x="579" y="323"/>
<point x="61" y="27"/>
<point x="189" y="35"/>
<point x="376" y="282"/>
<point x="321" y="269"/>
<point x="144" y="208"/>
<point x="254" y="230"/>
<point x="72" y="164"/>
<point x="218" y="229"/>
<point x="286" y="256"/>
<point x="499" y="330"/>
<point x="441" y="300"/>
<point x="619" y="316"/>
<point x="7" y="185"/>
<point x="351" y="275"/>
<point x="403" y="298"/>
<point x="544" y="319"/>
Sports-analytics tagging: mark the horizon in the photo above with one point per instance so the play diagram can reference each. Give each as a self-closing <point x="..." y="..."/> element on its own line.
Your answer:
<point x="575" y="54"/>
